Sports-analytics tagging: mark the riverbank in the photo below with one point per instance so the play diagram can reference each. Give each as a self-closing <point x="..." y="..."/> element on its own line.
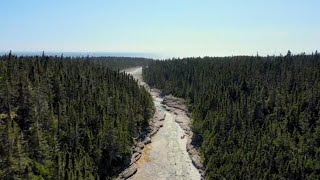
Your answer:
<point x="140" y="148"/>
<point x="166" y="152"/>
<point x="179" y="107"/>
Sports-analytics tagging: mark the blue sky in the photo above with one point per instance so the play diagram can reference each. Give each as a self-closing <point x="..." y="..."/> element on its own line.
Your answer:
<point x="166" y="27"/>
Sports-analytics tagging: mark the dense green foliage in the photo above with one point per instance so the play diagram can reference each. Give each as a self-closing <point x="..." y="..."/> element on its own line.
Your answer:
<point x="68" y="118"/>
<point x="254" y="117"/>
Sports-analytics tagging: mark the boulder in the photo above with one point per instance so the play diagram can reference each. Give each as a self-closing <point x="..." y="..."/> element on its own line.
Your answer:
<point x="163" y="117"/>
<point x="153" y="132"/>
<point x="140" y="145"/>
<point x="136" y="155"/>
<point x="158" y="116"/>
<point x="158" y="124"/>
<point x="137" y="150"/>
<point x="129" y="172"/>
<point x="147" y="140"/>
<point x="134" y="159"/>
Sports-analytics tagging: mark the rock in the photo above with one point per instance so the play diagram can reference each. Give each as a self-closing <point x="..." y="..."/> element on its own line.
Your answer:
<point x="179" y="108"/>
<point x="129" y="172"/>
<point x="194" y="155"/>
<point x="166" y="107"/>
<point x="189" y="146"/>
<point x="147" y="140"/>
<point x="163" y="118"/>
<point x="197" y="164"/>
<point x="138" y="157"/>
<point x="186" y="128"/>
<point x="134" y="159"/>
<point x="180" y="119"/>
<point x="158" y="115"/>
<point x="159" y="124"/>
<point x="137" y="150"/>
<point x="135" y="155"/>
<point x="189" y="133"/>
<point x="174" y="102"/>
<point x="153" y="132"/>
<point x="140" y="145"/>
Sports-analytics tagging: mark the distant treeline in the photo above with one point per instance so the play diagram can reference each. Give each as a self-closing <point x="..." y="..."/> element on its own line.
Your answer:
<point x="68" y="118"/>
<point x="112" y="62"/>
<point x="254" y="117"/>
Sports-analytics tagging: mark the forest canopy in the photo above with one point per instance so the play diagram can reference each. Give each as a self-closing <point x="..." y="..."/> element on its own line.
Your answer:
<point x="253" y="117"/>
<point x="69" y="118"/>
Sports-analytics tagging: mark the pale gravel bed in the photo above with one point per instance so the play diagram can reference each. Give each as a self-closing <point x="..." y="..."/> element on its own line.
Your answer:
<point x="166" y="157"/>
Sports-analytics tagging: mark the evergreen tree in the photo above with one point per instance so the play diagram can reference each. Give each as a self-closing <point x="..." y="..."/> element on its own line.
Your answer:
<point x="69" y="118"/>
<point x="258" y="116"/>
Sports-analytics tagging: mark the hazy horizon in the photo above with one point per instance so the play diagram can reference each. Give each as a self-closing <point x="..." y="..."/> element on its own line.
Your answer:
<point x="83" y="53"/>
<point x="132" y="54"/>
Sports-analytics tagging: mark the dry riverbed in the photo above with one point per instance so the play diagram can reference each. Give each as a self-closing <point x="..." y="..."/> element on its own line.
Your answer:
<point x="166" y="152"/>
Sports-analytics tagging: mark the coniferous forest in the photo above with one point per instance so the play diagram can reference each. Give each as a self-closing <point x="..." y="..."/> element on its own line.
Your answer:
<point x="68" y="118"/>
<point x="253" y="117"/>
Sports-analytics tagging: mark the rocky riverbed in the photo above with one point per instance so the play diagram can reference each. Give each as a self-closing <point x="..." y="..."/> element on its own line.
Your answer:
<point x="166" y="152"/>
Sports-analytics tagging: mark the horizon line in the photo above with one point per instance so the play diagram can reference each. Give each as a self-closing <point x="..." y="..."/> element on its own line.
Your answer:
<point x="134" y="54"/>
